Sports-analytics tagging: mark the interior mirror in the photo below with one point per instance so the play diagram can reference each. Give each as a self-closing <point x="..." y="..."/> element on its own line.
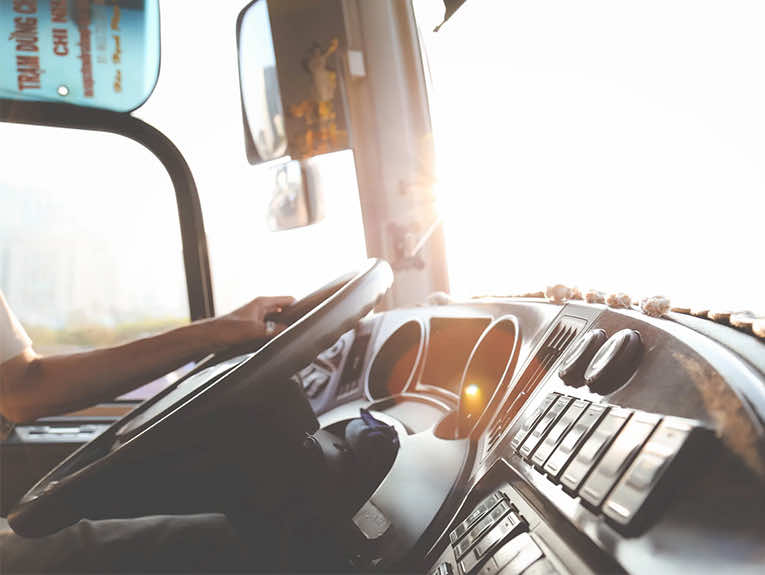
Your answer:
<point x="295" y="203"/>
<point x="87" y="53"/>
<point x="291" y="78"/>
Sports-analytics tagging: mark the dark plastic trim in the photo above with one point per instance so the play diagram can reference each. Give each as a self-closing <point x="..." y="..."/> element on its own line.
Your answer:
<point x="195" y="255"/>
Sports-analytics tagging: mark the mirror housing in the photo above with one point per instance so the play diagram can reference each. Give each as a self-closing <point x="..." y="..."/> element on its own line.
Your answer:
<point x="296" y="202"/>
<point x="292" y="78"/>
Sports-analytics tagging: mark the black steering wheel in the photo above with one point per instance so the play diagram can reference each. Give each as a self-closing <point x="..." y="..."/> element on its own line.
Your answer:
<point x="169" y="454"/>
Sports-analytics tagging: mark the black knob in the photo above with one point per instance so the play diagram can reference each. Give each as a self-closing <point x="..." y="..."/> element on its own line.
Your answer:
<point x="614" y="362"/>
<point x="578" y="357"/>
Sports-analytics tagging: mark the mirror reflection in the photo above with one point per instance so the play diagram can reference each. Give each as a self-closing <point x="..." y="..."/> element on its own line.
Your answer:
<point x="261" y="98"/>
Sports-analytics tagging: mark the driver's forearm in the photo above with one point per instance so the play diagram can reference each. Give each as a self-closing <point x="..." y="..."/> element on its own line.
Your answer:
<point x="58" y="384"/>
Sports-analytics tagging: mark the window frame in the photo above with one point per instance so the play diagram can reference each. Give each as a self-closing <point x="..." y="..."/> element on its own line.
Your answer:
<point x="193" y="239"/>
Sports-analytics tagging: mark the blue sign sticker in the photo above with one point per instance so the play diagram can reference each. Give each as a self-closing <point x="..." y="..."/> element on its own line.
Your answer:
<point x="95" y="53"/>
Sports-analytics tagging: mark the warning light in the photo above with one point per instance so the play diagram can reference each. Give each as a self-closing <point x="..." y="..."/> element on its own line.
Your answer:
<point x="472" y="390"/>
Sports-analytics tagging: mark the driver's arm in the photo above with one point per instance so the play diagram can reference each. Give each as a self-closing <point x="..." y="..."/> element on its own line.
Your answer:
<point x="33" y="386"/>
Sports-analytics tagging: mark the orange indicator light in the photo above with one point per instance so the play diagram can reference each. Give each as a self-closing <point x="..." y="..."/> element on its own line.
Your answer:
<point x="472" y="390"/>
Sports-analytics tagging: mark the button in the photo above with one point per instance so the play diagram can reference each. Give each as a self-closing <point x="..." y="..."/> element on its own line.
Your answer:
<point x="510" y="526"/>
<point x="490" y="567"/>
<point x="499" y="511"/>
<point x="574" y="439"/>
<point x="640" y="479"/>
<point x="444" y="568"/>
<point x="517" y="554"/>
<point x="481" y="527"/>
<point x="470" y="520"/>
<point x="468" y="563"/>
<point x="541" y="567"/>
<point x="594" y="447"/>
<point x="544" y="425"/>
<point x="569" y="417"/>
<point x="532" y="419"/>
<point x="622" y="451"/>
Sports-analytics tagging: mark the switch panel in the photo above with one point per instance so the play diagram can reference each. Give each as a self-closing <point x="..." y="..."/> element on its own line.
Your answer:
<point x="544" y="425"/>
<point x="481" y="509"/>
<point x="510" y="526"/>
<point x="635" y="490"/>
<point x="444" y="568"/>
<point x="488" y="521"/>
<point x="622" y="451"/>
<point x="513" y="557"/>
<point x="574" y="439"/>
<point x="594" y="447"/>
<point x="532" y="420"/>
<point x="566" y="421"/>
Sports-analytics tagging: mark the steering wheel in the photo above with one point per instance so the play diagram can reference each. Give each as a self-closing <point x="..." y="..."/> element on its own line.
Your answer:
<point x="166" y="455"/>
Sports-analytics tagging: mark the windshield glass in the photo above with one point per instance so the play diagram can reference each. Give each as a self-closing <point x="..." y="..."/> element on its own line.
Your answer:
<point x="197" y="105"/>
<point x="607" y="145"/>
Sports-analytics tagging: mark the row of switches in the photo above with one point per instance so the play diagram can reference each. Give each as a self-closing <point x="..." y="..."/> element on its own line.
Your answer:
<point x="494" y="539"/>
<point x="610" y="456"/>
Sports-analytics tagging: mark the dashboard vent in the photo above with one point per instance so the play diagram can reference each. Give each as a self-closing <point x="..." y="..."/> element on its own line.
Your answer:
<point x="554" y="345"/>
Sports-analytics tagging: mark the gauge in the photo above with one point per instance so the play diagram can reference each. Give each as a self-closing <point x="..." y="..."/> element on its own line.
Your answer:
<point x="579" y="356"/>
<point x="614" y="362"/>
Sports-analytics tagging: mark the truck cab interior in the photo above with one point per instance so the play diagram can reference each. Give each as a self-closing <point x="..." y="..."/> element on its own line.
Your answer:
<point x="526" y="245"/>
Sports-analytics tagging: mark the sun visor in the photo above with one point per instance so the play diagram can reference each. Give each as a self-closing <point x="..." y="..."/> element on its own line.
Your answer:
<point x="94" y="53"/>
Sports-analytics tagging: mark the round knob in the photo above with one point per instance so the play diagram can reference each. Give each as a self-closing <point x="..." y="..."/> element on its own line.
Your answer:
<point x="579" y="356"/>
<point x="614" y="362"/>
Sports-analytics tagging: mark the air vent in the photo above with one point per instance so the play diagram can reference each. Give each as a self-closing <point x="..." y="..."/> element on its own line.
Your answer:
<point x="556" y="343"/>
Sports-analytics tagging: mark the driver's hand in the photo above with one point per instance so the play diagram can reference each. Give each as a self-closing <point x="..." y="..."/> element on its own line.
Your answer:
<point x="248" y="323"/>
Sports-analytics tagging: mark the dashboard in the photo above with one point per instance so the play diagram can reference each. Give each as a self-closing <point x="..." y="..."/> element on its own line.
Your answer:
<point x="554" y="438"/>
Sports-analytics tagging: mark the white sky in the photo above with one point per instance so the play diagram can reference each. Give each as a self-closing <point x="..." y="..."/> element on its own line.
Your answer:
<point x="606" y="144"/>
<point x="615" y="145"/>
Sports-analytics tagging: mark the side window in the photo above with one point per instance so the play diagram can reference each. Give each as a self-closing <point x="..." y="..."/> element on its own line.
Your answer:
<point x="90" y="247"/>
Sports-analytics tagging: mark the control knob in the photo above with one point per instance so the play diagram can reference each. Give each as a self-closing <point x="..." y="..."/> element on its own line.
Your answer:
<point x="614" y="362"/>
<point x="579" y="356"/>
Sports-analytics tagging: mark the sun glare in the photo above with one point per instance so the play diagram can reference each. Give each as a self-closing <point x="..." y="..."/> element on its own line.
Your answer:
<point x="600" y="144"/>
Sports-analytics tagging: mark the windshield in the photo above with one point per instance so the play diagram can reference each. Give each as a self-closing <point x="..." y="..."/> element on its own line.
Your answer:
<point x="197" y="105"/>
<point x="607" y="145"/>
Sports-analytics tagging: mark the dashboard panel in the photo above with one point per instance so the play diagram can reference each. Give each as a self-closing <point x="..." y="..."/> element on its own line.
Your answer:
<point x="652" y="464"/>
<point x="598" y="440"/>
<point x="450" y="342"/>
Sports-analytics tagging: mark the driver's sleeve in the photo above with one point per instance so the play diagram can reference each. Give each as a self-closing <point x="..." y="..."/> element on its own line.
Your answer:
<point x="13" y="341"/>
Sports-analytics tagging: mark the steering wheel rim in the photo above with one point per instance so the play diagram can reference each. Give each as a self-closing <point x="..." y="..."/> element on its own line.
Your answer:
<point x="55" y="502"/>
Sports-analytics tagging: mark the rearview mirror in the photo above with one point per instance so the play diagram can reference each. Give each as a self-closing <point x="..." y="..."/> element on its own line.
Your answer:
<point x="291" y="78"/>
<point x="87" y="53"/>
<point x="259" y="85"/>
<point x="295" y="202"/>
